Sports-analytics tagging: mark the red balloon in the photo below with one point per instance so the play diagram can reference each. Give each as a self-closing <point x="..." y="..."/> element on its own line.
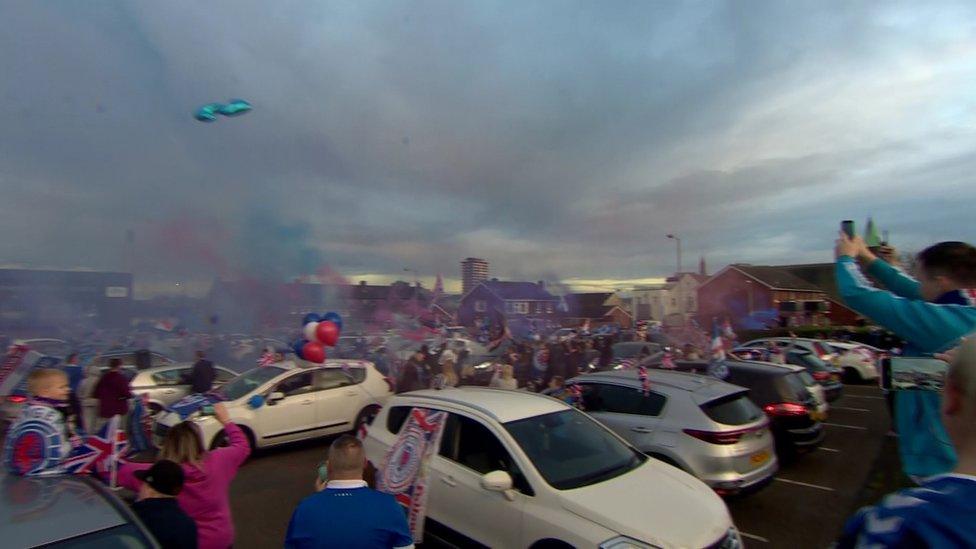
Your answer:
<point x="327" y="332"/>
<point x="314" y="352"/>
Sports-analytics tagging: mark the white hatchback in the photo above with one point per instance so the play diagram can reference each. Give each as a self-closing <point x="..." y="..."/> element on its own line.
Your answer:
<point x="285" y="402"/>
<point x="517" y="469"/>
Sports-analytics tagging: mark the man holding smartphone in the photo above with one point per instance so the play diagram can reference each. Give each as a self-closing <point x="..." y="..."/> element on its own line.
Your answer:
<point x="931" y="314"/>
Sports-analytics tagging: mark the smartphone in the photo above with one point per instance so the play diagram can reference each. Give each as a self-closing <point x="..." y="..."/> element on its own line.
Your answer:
<point x="207" y="410"/>
<point x="913" y="374"/>
<point x="323" y="471"/>
<point x="847" y="226"/>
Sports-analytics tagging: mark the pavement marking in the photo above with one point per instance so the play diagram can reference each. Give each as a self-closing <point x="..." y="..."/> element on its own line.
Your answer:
<point x="753" y="536"/>
<point x="849" y="409"/>
<point x="798" y="483"/>
<point x="866" y="396"/>
<point x="825" y="449"/>
<point x="846" y="426"/>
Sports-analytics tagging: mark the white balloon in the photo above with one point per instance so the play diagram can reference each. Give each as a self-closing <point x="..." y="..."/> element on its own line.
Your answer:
<point x="309" y="331"/>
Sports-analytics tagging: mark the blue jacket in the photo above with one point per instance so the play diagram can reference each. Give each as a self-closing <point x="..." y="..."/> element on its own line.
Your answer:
<point x="927" y="327"/>
<point x="938" y="514"/>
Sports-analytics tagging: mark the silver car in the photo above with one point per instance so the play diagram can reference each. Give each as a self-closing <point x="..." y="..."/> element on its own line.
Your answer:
<point x="66" y="511"/>
<point x="167" y="384"/>
<point x="700" y="424"/>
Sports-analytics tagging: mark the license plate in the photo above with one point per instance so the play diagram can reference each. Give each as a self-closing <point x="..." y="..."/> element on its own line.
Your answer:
<point x="818" y="416"/>
<point x="759" y="457"/>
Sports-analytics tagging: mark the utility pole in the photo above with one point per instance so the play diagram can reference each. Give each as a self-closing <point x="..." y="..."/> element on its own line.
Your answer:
<point x="678" y="241"/>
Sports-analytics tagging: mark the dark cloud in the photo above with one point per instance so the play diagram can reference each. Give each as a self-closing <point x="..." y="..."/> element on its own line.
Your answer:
<point x="552" y="138"/>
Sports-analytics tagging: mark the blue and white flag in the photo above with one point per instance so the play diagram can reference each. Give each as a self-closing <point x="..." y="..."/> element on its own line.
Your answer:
<point x="189" y="404"/>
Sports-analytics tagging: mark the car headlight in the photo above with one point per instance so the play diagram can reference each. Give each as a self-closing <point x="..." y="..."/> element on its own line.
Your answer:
<point x="624" y="542"/>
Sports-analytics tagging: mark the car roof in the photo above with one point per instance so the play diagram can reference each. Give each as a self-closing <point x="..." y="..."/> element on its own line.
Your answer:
<point x="701" y="385"/>
<point x="500" y="404"/>
<point x="39" y="510"/>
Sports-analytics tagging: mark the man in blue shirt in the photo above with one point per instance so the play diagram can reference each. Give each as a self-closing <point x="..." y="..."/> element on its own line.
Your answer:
<point x="931" y="314"/>
<point x="939" y="513"/>
<point x="346" y="512"/>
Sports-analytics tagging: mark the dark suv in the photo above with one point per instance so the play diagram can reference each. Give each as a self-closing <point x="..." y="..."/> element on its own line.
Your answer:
<point x="782" y="394"/>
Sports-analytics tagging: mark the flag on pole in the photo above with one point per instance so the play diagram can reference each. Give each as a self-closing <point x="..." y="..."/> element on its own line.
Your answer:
<point x="871" y="237"/>
<point x="644" y="380"/>
<point x="98" y="453"/>
<point x="404" y="470"/>
<point x="139" y="426"/>
<point x="576" y="396"/>
<point x="718" y="344"/>
<point x="668" y="361"/>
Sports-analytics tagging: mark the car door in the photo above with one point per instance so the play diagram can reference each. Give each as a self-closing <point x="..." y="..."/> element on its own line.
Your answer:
<point x="337" y="400"/>
<point x="293" y="416"/>
<point x="460" y="511"/>
<point x="626" y="411"/>
<point x="170" y="385"/>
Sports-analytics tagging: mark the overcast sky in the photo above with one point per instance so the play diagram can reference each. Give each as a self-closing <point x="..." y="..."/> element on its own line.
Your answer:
<point x="559" y="140"/>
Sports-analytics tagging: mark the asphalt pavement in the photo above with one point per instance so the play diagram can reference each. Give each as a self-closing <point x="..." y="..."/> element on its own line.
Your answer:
<point x="805" y="506"/>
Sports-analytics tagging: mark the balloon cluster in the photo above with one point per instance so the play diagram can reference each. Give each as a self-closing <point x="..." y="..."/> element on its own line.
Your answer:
<point x="209" y="112"/>
<point x="320" y="332"/>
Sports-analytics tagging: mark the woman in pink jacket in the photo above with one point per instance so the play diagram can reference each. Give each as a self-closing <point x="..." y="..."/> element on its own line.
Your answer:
<point x="206" y="491"/>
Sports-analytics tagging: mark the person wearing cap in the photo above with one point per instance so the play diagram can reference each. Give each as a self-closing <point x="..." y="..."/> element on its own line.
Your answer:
<point x="157" y="507"/>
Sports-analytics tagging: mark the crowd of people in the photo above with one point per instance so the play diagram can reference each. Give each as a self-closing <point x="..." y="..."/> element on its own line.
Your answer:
<point x="183" y="496"/>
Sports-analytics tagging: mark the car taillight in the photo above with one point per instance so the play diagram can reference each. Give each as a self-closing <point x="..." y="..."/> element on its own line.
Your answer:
<point x="821" y="376"/>
<point x="785" y="409"/>
<point x="16" y="399"/>
<point x="712" y="437"/>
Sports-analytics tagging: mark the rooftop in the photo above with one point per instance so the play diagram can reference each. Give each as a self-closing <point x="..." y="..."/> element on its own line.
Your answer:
<point x="502" y="405"/>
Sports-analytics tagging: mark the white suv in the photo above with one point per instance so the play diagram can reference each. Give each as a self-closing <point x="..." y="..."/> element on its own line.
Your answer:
<point x="285" y="403"/>
<point x="517" y="469"/>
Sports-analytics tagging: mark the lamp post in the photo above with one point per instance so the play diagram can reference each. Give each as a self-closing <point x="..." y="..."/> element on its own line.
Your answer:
<point x="678" y="241"/>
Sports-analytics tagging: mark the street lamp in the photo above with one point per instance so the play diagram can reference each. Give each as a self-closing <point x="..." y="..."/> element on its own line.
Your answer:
<point x="678" y="241"/>
<point x="749" y="289"/>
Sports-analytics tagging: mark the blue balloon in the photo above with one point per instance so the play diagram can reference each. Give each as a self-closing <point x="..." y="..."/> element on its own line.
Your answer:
<point x="255" y="402"/>
<point x="334" y="317"/>
<point x="311" y="317"/>
<point x="297" y="347"/>
<point x="208" y="113"/>
<point x="235" y="107"/>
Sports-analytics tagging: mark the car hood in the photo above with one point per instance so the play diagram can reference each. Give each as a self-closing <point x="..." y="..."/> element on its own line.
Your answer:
<point x="655" y="503"/>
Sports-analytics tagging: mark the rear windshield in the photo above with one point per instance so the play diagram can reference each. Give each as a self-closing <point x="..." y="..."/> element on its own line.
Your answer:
<point x="808" y="361"/>
<point x="734" y="409"/>
<point x="792" y="388"/>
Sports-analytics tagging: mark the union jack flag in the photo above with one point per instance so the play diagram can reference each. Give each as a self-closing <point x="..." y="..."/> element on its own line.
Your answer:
<point x="645" y="381"/>
<point x="267" y="358"/>
<point x="576" y="396"/>
<point x="98" y="453"/>
<point x="668" y="361"/>
<point x="718" y="345"/>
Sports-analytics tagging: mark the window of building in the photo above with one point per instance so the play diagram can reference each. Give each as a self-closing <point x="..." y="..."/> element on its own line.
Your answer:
<point x="539" y="307"/>
<point x="520" y="307"/>
<point x="481" y="306"/>
<point x="691" y="303"/>
<point x="674" y="302"/>
<point x="549" y="308"/>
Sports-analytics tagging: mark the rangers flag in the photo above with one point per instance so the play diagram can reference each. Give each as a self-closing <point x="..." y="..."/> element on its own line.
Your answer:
<point x="404" y="470"/>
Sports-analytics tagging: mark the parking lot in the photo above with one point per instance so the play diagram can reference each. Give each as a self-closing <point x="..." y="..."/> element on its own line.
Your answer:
<point x="805" y="506"/>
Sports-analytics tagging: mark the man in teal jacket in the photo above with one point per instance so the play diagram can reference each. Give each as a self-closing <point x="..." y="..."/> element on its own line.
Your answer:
<point x="931" y="314"/>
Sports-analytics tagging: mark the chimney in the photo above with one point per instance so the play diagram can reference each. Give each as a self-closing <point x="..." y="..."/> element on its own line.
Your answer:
<point x="362" y="283"/>
<point x="542" y="284"/>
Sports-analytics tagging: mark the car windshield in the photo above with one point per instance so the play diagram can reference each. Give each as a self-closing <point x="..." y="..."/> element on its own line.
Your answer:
<point x="570" y="450"/>
<point x="734" y="409"/>
<point x="248" y="381"/>
<point x="632" y="350"/>
<point x="809" y="361"/>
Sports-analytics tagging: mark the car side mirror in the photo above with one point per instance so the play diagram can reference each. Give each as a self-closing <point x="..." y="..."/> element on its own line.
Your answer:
<point x="498" y="481"/>
<point x="274" y="397"/>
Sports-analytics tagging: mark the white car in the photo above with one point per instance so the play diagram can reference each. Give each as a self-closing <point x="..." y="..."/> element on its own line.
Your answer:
<point x="860" y="362"/>
<point x="518" y="469"/>
<point x="285" y="402"/>
<point x="818" y="347"/>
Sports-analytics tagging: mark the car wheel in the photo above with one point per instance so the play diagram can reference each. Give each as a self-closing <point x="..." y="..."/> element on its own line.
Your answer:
<point x="365" y="417"/>
<point x="851" y="375"/>
<point x="551" y="544"/>
<point x="220" y="441"/>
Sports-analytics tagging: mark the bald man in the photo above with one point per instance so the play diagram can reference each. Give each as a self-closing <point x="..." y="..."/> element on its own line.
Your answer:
<point x="940" y="512"/>
<point x="346" y="512"/>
